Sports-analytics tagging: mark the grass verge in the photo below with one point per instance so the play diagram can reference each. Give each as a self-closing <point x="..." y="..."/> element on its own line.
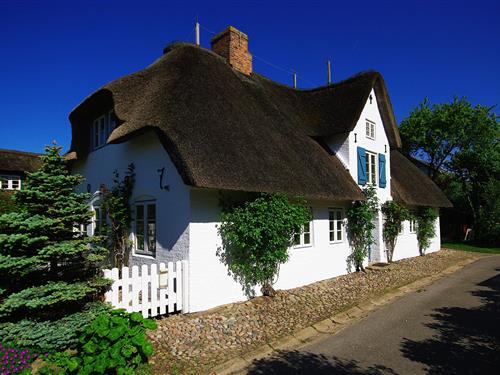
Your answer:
<point x="470" y="247"/>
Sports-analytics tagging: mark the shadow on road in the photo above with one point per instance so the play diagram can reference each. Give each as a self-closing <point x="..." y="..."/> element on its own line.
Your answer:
<point x="467" y="340"/>
<point x="295" y="362"/>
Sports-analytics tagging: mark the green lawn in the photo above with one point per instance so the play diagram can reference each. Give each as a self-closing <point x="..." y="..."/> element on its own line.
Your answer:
<point x="469" y="247"/>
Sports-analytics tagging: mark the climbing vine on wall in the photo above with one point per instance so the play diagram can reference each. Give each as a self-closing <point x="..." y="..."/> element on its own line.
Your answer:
<point x="116" y="206"/>
<point x="360" y="225"/>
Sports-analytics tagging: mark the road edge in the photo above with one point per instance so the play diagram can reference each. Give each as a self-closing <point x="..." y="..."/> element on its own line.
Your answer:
<point x="333" y="324"/>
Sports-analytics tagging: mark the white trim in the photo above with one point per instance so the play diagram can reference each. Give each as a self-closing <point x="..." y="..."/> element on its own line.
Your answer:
<point x="335" y="210"/>
<point x="10" y="179"/>
<point x="301" y="243"/>
<point x="102" y="136"/>
<point x="368" y="170"/>
<point x="146" y="252"/>
<point x="370" y="127"/>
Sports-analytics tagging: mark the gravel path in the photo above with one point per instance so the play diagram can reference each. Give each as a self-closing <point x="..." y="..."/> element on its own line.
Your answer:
<point x="195" y="343"/>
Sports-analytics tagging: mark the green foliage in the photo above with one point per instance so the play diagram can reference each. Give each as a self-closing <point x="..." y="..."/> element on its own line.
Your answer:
<point x="48" y="270"/>
<point x="256" y="237"/>
<point x="116" y="205"/>
<point x="7" y="203"/>
<point x="461" y="144"/>
<point x="426" y="227"/>
<point x="51" y="335"/>
<point x="394" y="216"/>
<point x="112" y="343"/>
<point x="361" y="217"/>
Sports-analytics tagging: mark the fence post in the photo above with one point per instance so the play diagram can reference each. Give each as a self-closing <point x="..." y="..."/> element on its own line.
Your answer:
<point x="185" y="286"/>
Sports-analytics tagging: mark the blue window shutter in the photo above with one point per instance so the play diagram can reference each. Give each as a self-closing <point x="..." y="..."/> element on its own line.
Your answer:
<point x="361" y="166"/>
<point x="382" y="181"/>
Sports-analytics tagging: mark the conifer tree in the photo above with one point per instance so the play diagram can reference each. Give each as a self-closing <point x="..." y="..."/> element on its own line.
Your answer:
<point x="48" y="267"/>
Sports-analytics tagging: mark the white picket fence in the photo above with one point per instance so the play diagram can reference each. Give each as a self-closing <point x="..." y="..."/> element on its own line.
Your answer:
<point x="154" y="291"/>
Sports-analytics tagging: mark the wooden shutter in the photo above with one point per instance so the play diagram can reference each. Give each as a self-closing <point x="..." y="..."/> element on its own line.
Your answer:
<point x="361" y="166"/>
<point x="382" y="180"/>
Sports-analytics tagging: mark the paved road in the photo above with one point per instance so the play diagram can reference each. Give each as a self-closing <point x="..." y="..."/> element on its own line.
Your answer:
<point x="450" y="327"/>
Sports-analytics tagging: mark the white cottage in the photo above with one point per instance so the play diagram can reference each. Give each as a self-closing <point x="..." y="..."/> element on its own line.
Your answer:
<point x="199" y="125"/>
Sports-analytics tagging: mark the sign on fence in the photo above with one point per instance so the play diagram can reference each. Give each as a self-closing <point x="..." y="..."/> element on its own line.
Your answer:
<point x="156" y="290"/>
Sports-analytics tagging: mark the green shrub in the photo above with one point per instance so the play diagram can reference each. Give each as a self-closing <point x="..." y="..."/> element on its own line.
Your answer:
<point x="51" y="335"/>
<point x="394" y="215"/>
<point x="426" y="228"/>
<point x="256" y="237"/>
<point x="7" y="203"/>
<point x="112" y="343"/>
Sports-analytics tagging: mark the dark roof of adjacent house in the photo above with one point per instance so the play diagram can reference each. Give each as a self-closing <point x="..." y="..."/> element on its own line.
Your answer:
<point x="413" y="187"/>
<point x="19" y="161"/>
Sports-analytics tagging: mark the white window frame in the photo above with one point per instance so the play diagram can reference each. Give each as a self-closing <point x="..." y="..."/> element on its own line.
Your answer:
<point x="100" y="136"/>
<point x="302" y="236"/>
<point x="371" y="174"/>
<point x="370" y="129"/>
<point x="10" y="180"/>
<point x="145" y="221"/>
<point x="413" y="226"/>
<point x="335" y="221"/>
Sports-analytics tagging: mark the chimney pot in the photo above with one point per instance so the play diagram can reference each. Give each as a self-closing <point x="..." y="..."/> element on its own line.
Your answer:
<point x="232" y="44"/>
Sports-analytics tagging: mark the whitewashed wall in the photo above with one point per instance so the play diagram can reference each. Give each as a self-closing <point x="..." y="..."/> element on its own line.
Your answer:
<point x="407" y="244"/>
<point x="210" y="284"/>
<point x="172" y="207"/>
<point x="345" y="147"/>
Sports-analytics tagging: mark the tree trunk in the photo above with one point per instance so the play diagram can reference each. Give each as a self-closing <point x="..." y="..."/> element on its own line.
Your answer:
<point x="268" y="290"/>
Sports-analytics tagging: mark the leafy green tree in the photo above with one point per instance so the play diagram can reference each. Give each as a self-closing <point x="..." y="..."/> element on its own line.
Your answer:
<point x="48" y="268"/>
<point x="256" y="237"/>
<point x="361" y="217"/>
<point x="426" y="227"/>
<point x="394" y="216"/>
<point x="461" y="143"/>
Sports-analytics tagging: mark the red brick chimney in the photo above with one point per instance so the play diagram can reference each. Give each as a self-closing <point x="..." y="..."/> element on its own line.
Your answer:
<point x="232" y="44"/>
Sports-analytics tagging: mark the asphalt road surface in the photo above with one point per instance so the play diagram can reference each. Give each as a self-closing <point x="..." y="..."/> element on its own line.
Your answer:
<point x="450" y="327"/>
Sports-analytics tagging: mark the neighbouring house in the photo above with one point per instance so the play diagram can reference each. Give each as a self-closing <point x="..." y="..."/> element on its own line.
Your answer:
<point x="200" y="125"/>
<point x="13" y="168"/>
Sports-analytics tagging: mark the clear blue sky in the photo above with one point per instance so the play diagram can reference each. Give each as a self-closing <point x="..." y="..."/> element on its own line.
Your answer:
<point x="53" y="54"/>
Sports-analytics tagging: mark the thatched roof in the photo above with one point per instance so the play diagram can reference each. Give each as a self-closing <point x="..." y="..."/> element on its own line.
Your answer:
<point x="226" y="130"/>
<point x="413" y="187"/>
<point x="19" y="161"/>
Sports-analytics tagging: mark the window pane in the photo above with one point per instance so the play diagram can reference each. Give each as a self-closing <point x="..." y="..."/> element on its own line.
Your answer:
<point x="111" y="121"/>
<point x="139" y="227"/>
<point x="102" y="131"/>
<point x="97" y="221"/>
<point x="307" y="228"/>
<point x="307" y="238"/>
<point x="339" y="235"/>
<point x="15" y="184"/>
<point x="332" y="236"/>
<point x="151" y="227"/>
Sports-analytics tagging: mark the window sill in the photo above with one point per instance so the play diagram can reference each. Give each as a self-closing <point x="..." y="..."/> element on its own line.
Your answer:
<point x="144" y="255"/>
<point x="336" y="242"/>
<point x="302" y="246"/>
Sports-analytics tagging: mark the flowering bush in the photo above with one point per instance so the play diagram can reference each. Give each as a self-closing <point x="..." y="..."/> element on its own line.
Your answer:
<point x="14" y="361"/>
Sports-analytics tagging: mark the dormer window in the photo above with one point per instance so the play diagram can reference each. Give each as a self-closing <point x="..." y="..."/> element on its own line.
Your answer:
<point x="370" y="129"/>
<point x="102" y="128"/>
